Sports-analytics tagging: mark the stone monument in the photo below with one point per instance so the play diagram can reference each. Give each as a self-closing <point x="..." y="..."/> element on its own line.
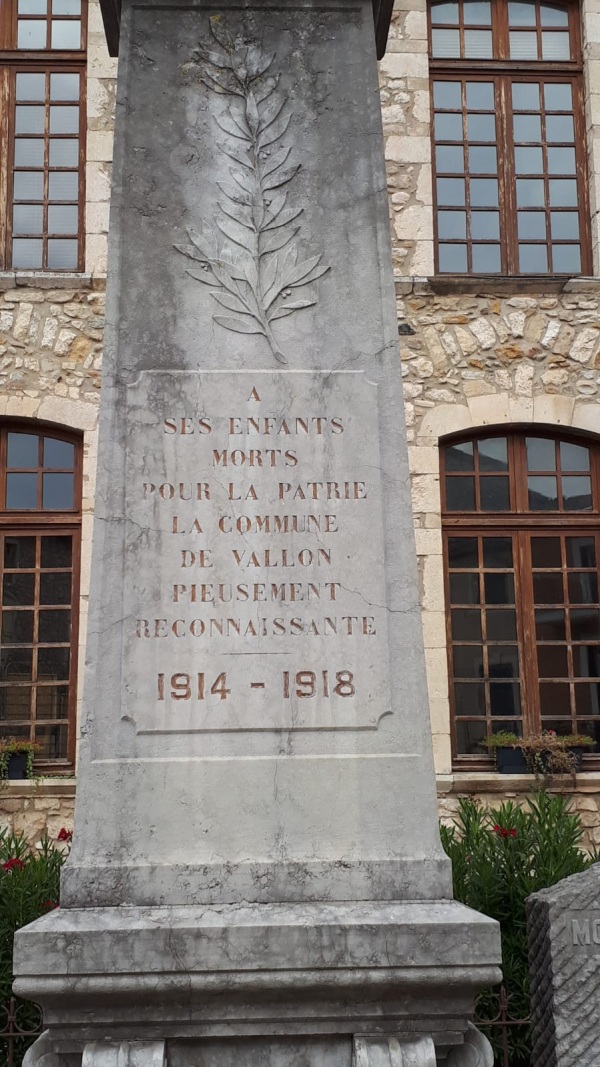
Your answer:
<point x="256" y="876"/>
<point x="563" y="930"/>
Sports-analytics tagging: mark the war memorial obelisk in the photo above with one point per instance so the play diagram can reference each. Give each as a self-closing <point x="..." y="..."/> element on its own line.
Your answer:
<point x="256" y="877"/>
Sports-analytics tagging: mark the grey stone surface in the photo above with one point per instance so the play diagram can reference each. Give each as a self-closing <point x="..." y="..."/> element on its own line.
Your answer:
<point x="476" y="1051"/>
<point x="124" y="1054"/>
<point x="563" y="928"/>
<point x="256" y="874"/>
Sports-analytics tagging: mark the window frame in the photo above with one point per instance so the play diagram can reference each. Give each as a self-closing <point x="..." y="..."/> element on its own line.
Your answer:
<point x="22" y="523"/>
<point x="521" y="525"/>
<point x="503" y="71"/>
<point x="13" y="61"/>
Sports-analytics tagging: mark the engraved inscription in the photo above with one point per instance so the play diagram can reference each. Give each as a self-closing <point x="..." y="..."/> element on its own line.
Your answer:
<point x="251" y="263"/>
<point x="257" y="594"/>
<point x="585" y="931"/>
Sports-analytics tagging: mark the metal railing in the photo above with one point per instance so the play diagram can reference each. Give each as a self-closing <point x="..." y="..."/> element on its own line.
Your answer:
<point x="503" y="1022"/>
<point x="20" y="1024"/>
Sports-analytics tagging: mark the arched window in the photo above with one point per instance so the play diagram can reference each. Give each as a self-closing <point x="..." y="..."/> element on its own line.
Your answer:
<point x="509" y="137"/>
<point x="40" y="525"/>
<point x="521" y="525"/>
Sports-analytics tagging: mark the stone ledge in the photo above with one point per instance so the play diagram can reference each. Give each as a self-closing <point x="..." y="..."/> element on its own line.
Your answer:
<point x="46" y="280"/>
<point x="40" y="787"/>
<point x="473" y="782"/>
<point x="487" y="285"/>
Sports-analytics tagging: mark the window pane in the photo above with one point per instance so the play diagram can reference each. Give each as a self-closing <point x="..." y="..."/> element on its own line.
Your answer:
<point x="52" y="702"/>
<point x="548" y="588"/>
<point x="22" y="450"/>
<point x="482" y="160"/>
<point x="501" y="624"/>
<point x="64" y="86"/>
<point x="585" y="624"/>
<point x="577" y="493"/>
<point x="481" y="127"/>
<point x="558" y="96"/>
<point x="462" y="552"/>
<point x="464" y="588"/>
<point x="581" y="552"/>
<point x="583" y="588"/>
<point x="65" y="34"/>
<point x="587" y="698"/>
<point x="564" y="225"/>
<point x="57" y="491"/>
<point x="523" y="45"/>
<point x="553" y="16"/>
<point x="459" y="457"/>
<point x="452" y="258"/>
<point x="56" y="552"/>
<point x="477" y="12"/>
<point x="485" y="225"/>
<point x="31" y="87"/>
<point x="469" y="698"/>
<point x="32" y="7"/>
<point x="29" y="119"/>
<point x="54" y="626"/>
<point x="480" y="96"/>
<point x="574" y="457"/>
<point x="555" y="46"/>
<point x="555" y="699"/>
<point x="447" y="127"/>
<point x="31" y="33"/>
<point x="452" y="224"/>
<point x="444" y="12"/>
<point x="484" y="192"/>
<point x="53" y="663"/>
<point x="497" y="552"/>
<point x="563" y="192"/>
<point x="550" y="625"/>
<point x="447" y="95"/>
<point x="478" y="44"/>
<point x="503" y="661"/>
<point x="73" y="7"/>
<point x="451" y="191"/>
<point x="530" y="192"/>
<point x="542" y="493"/>
<point x="58" y="454"/>
<point x="499" y="588"/>
<point x="64" y="119"/>
<point x="494" y="494"/>
<point x="19" y="553"/>
<point x="504" y="698"/>
<point x="493" y="454"/>
<point x="529" y="161"/>
<point x="21" y="491"/>
<point x="28" y="185"/>
<point x="541" y="454"/>
<point x="466" y="624"/>
<point x="468" y="661"/>
<point x="16" y="663"/>
<point x="560" y="128"/>
<point x="552" y="661"/>
<point x="450" y="159"/>
<point x="525" y="96"/>
<point x="62" y="255"/>
<point x="486" y="259"/>
<point x="27" y="254"/>
<point x="64" y="153"/>
<point x="533" y="259"/>
<point x="53" y="741"/>
<point x="468" y="737"/>
<point x="460" y="493"/>
<point x="445" y="44"/>
<point x="532" y="225"/>
<point x="561" y="161"/>
<point x="522" y="13"/>
<point x="28" y="218"/>
<point x="17" y="627"/>
<point x="63" y="186"/>
<point x="62" y="219"/>
<point x="29" y="153"/>
<point x="15" y="703"/>
<point x="566" y="259"/>
<point x="18" y="589"/>
<point x="545" y="552"/>
<point x="586" y="661"/>
<point x="55" y="588"/>
<point x="527" y="128"/>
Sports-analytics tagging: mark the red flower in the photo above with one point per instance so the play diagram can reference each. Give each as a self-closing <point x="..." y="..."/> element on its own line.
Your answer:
<point x="497" y="829"/>
<point x="552" y="733"/>
<point x="65" y="835"/>
<point x="49" y="905"/>
<point x="512" y="833"/>
<point x="14" y="862"/>
<point x="503" y="831"/>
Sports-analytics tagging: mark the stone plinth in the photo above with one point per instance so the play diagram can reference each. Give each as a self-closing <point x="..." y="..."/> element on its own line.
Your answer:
<point x="256" y="873"/>
<point x="563" y="929"/>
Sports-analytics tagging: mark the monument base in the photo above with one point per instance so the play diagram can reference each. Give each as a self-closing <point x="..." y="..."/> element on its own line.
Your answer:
<point x="275" y="985"/>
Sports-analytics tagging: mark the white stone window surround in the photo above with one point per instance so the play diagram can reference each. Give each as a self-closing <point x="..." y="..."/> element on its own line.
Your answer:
<point x="63" y="414"/>
<point x="551" y="412"/>
<point x="406" y="113"/>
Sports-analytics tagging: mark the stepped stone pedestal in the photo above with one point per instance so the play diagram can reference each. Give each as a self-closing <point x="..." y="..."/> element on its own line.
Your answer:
<point x="256" y="875"/>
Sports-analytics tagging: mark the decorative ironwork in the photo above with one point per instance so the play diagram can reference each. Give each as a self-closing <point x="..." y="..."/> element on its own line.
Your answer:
<point x="502" y="1021"/>
<point x="20" y="1025"/>
<point x="255" y="270"/>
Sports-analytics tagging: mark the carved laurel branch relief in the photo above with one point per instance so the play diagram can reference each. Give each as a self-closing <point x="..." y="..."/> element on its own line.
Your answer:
<point x="250" y="260"/>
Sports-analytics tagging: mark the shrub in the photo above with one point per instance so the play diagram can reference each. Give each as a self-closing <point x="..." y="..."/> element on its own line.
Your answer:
<point x="499" y="856"/>
<point x="29" y="888"/>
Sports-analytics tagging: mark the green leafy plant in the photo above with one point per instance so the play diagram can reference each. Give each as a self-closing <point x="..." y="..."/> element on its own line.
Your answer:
<point x="29" y="888"/>
<point x="15" y="746"/>
<point x="502" y="739"/>
<point x="499" y="857"/>
<point x="546" y="752"/>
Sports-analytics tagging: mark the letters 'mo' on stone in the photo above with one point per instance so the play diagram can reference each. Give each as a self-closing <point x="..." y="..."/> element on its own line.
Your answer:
<point x="564" y="950"/>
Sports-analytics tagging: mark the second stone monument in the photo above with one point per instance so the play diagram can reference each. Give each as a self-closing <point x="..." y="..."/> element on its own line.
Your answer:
<point x="257" y="875"/>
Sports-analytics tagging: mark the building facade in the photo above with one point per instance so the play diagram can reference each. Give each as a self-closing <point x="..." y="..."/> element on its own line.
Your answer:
<point x="491" y="115"/>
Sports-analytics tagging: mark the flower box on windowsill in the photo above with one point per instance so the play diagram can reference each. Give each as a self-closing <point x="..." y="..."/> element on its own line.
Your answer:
<point x="541" y="754"/>
<point x="510" y="760"/>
